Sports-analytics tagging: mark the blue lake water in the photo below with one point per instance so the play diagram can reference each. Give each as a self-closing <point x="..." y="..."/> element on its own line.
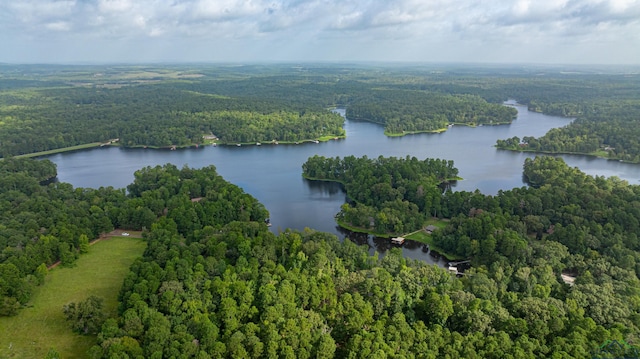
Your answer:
<point x="273" y="173"/>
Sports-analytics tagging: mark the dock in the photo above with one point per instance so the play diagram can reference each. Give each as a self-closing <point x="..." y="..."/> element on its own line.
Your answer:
<point x="453" y="267"/>
<point x="455" y="264"/>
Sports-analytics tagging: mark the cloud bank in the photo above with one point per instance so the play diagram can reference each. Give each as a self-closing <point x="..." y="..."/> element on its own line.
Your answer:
<point x="541" y="31"/>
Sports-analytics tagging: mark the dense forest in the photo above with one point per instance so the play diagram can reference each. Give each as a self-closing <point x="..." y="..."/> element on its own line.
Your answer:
<point x="239" y="291"/>
<point x="52" y="107"/>
<point x="411" y="111"/>
<point x="41" y="224"/>
<point x="214" y="282"/>
<point x="606" y="109"/>
<point x="390" y="195"/>
<point x="609" y="130"/>
<point x="43" y="119"/>
<point x="521" y="240"/>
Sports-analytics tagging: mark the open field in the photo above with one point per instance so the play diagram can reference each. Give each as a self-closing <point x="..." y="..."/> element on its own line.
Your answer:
<point x="60" y="150"/>
<point x="41" y="326"/>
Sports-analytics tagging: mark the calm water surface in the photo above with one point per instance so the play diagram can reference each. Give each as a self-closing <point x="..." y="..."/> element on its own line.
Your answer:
<point x="273" y="173"/>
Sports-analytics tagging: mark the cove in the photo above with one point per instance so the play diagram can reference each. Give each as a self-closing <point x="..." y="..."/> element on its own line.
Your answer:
<point x="273" y="173"/>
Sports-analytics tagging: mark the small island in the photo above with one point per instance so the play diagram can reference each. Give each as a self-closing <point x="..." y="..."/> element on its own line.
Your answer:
<point x="389" y="197"/>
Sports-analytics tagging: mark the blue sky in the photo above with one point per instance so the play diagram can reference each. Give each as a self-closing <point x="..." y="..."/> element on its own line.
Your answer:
<point x="496" y="31"/>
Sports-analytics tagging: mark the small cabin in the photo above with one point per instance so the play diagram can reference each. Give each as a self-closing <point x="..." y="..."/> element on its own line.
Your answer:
<point x="430" y="228"/>
<point x="397" y="240"/>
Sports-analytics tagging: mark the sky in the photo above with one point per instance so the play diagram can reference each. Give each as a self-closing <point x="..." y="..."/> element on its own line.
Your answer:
<point x="241" y="31"/>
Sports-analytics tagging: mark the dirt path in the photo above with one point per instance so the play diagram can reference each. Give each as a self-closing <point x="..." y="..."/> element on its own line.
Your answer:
<point x="106" y="236"/>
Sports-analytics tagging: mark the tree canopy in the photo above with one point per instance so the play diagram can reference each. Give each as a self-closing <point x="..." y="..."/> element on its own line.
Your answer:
<point x="55" y="107"/>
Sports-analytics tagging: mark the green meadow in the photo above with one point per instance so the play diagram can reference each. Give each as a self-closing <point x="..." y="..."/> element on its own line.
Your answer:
<point x="41" y="326"/>
<point x="60" y="150"/>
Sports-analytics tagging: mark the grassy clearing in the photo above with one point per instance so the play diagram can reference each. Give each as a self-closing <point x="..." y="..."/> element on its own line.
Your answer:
<point x="331" y="137"/>
<point x="355" y="229"/>
<point x="41" y="326"/>
<point x="423" y="237"/>
<point x="600" y="153"/>
<point x="404" y="133"/>
<point x="418" y="236"/>
<point x="60" y="150"/>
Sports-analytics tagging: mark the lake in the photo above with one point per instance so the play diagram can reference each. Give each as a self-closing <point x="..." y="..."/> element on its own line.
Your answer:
<point x="273" y="173"/>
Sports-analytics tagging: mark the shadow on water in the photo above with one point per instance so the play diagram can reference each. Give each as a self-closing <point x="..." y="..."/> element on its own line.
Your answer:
<point x="324" y="187"/>
<point x="410" y="249"/>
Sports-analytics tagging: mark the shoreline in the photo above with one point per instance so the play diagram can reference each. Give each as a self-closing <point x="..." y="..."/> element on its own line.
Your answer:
<point x="415" y="236"/>
<point x="595" y="155"/>
<point x="409" y="237"/>
<point x="174" y="147"/>
<point x="61" y="150"/>
<point x="444" y="129"/>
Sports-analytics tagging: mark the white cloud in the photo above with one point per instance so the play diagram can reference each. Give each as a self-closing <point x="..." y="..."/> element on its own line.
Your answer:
<point x="117" y="6"/>
<point x="58" y="26"/>
<point x="393" y="29"/>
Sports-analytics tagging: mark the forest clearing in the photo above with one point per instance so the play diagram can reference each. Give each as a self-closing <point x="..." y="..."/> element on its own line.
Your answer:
<point x="41" y="326"/>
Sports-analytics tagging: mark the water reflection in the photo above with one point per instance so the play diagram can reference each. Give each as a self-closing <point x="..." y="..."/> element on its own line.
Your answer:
<point x="318" y="189"/>
<point x="410" y="249"/>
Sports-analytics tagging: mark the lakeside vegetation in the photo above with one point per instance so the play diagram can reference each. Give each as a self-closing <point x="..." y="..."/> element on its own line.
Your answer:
<point x="382" y="189"/>
<point x="57" y="107"/>
<point x="515" y="144"/>
<point x="60" y="150"/>
<point x="606" y="121"/>
<point x="392" y="196"/>
<point x="240" y="290"/>
<point x="411" y="111"/>
<point x="420" y="235"/>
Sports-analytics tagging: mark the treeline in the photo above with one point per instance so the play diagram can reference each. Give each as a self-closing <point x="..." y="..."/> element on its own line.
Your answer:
<point x="606" y="108"/>
<point x="607" y="130"/>
<point x="391" y="195"/>
<point x="247" y="127"/>
<point x="152" y="115"/>
<point x="43" y="224"/>
<point x="39" y="170"/>
<point x="566" y="222"/>
<point x="237" y="290"/>
<point x="193" y="199"/>
<point x="403" y="111"/>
